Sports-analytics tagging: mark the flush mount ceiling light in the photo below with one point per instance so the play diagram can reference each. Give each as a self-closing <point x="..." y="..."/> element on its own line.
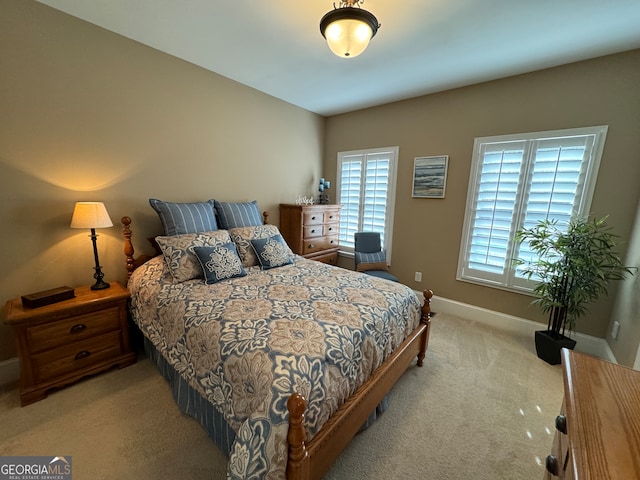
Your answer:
<point x="348" y="28"/>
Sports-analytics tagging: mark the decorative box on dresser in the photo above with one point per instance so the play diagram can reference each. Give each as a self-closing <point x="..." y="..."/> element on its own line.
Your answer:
<point x="311" y="230"/>
<point x="65" y="341"/>
<point x="598" y="430"/>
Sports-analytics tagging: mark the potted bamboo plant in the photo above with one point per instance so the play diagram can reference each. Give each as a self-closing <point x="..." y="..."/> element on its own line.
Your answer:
<point x="573" y="267"/>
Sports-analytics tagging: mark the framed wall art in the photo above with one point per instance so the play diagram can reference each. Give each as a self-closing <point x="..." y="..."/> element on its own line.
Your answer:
<point x="430" y="176"/>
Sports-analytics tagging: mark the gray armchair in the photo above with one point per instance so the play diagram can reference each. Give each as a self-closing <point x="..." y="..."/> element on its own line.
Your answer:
<point x="369" y="256"/>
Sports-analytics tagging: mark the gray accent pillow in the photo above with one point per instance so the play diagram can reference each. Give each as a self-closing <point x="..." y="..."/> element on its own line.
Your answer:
<point x="271" y="252"/>
<point x="219" y="262"/>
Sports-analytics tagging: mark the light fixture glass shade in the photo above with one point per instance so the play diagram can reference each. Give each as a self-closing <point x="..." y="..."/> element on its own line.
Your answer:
<point x="348" y="38"/>
<point x="348" y="30"/>
<point x="90" y="215"/>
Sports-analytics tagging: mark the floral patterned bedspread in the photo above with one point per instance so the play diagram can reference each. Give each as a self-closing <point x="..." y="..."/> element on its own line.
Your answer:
<point x="246" y="344"/>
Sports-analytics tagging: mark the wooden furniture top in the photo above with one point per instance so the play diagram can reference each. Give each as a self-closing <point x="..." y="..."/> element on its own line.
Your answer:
<point x="85" y="300"/>
<point x="603" y="416"/>
<point x="314" y="206"/>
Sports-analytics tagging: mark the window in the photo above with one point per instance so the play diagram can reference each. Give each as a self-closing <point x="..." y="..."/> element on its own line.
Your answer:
<point x="366" y="189"/>
<point x="515" y="181"/>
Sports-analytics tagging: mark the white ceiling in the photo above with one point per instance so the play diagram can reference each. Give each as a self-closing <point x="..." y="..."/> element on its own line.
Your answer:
<point x="423" y="46"/>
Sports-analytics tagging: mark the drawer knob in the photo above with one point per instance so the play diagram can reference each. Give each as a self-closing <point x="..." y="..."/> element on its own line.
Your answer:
<point x="551" y="464"/>
<point x="330" y="216"/>
<point x="82" y="354"/>
<point x="561" y="424"/>
<point x="313" y="230"/>
<point x="80" y="327"/>
<point x="311" y="245"/>
<point x="331" y="241"/>
<point x="313" y="218"/>
<point x="330" y="228"/>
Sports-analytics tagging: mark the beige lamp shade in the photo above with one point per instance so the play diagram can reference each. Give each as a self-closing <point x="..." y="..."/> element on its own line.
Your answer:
<point x="90" y="215"/>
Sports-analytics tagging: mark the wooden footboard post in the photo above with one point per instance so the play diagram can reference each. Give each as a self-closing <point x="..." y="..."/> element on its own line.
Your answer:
<point x="297" y="465"/>
<point x="426" y="319"/>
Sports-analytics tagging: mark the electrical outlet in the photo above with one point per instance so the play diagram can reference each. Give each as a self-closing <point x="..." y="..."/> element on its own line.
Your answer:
<point x="615" y="330"/>
<point x="418" y="277"/>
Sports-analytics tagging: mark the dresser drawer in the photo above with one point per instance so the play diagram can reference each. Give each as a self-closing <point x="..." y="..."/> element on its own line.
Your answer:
<point x="73" y="329"/>
<point x="331" y="217"/>
<point x="312" y="218"/>
<point x="75" y="357"/>
<point x="330" y="258"/>
<point x="320" y="243"/>
<point x="313" y="231"/>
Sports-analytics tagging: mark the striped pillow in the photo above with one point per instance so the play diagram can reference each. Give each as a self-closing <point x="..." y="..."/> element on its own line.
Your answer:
<point x="371" y="261"/>
<point x="183" y="218"/>
<point x="238" y="214"/>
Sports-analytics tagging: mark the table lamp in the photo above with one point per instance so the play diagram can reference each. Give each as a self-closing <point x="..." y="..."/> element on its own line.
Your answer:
<point x="92" y="215"/>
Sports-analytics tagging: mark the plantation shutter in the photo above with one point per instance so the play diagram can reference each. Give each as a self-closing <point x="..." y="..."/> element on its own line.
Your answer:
<point x="556" y="184"/>
<point x="350" y="192"/>
<point x="514" y="184"/>
<point x="495" y="207"/>
<point x="366" y="182"/>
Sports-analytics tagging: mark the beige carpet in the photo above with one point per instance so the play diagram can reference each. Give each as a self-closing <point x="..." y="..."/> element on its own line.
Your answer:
<point x="482" y="408"/>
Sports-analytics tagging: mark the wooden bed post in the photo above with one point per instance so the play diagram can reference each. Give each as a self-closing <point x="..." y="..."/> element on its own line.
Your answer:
<point x="128" y="246"/>
<point x="426" y="319"/>
<point x="297" y="465"/>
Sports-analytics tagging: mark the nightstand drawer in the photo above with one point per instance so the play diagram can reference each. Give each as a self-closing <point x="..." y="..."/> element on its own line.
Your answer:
<point x="75" y="357"/>
<point x="74" y="329"/>
<point x="321" y="243"/>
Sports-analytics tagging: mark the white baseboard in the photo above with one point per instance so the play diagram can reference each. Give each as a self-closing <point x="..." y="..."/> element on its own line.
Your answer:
<point x="586" y="343"/>
<point x="9" y="371"/>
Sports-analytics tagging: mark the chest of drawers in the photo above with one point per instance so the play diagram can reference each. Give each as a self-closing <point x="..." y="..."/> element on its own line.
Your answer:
<point x="598" y="430"/>
<point x="65" y="341"/>
<point x="311" y="230"/>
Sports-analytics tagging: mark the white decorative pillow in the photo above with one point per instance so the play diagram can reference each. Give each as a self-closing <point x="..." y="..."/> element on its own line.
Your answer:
<point x="178" y="253"/>
<point x="242" y="237"/>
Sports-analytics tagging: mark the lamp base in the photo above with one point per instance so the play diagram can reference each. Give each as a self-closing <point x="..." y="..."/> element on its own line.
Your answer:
<point x="100" y="285"/>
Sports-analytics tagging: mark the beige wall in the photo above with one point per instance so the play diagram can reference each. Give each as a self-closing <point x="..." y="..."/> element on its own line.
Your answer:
<point x="90" y="115"/>
<point x="627" y="306"/>
<point x="427" y="231"/>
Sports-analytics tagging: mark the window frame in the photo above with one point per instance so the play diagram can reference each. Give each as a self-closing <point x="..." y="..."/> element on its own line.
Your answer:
<point x="509" y="280"/>
<point x="390" y="197"/>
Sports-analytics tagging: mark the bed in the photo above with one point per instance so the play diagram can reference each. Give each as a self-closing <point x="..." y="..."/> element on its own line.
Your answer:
<point x="282" y="363"/>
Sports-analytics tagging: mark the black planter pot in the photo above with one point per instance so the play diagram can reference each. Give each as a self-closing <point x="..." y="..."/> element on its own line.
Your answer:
<point x="548" y="346"/>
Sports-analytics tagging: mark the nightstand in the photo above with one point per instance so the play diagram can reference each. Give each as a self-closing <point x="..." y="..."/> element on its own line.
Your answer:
<point x="60" y="343"/>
